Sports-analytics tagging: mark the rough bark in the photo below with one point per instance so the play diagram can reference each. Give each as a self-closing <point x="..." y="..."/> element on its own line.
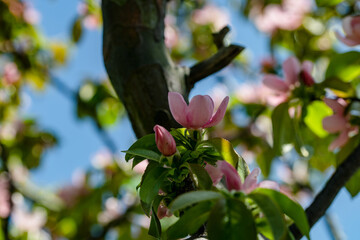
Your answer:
<point x="138" y="62"/>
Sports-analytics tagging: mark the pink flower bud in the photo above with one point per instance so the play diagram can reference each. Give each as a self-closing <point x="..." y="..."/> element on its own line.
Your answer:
<point x="164" y="141"/>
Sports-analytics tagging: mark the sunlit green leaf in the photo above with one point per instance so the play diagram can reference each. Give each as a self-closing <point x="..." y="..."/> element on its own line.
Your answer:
<point x="316" y="112"/>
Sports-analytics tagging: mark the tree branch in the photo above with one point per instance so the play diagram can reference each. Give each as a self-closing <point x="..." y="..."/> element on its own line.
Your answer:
<point x="326" y="196"/>
<point x="213" y="64"/>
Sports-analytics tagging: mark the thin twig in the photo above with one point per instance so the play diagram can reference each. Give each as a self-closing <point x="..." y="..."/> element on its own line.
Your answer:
<point x="213" y="64"/>
<point x="326" y="196"/>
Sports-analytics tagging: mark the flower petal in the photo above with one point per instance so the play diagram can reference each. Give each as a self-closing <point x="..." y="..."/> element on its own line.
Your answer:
<point x="307" y="66"/>
<point x="219" y="115"/>
<point x="347" y="40"/>
<point x="214" y="173"/>
<point x="346" y="24"/>
<point x="335" y="105"/>
<point x="340" y="141"/>
<point x="232" y="177"/>
<point x="334" y="123"/>
<point x="270" y="185"/>
<point x="200" y="110"/>
<point x="178" y="107"/>
<point x="275" y="83"/>
<point x="291" y="68"/>
<point x="250" y="182"/>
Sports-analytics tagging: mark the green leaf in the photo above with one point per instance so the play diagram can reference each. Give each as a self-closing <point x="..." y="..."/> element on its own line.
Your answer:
<point x="144" y="153"/>
<point x="204" y="181"/>
<point x="316" y="112"/>
<point x="345" y="66"/>
<point x="272" y="213"/>
<point x="146" y="142"/>
<point x="334" y="83"/>
<point x="155" y="226"/>
<point x="264" y="161"/>
<point x="321" y="3"/>
<point x="190" y="198"/>
<point x="231" y="220"/>
<point x="151" y="183"/>
<point x="353" y="185"/>
<point x="190" y="222"/>
<point x="290" y="208"/>
<point x="226" y="150"/>
<point x="76" y="31"/>
<point x="283" y="132"/>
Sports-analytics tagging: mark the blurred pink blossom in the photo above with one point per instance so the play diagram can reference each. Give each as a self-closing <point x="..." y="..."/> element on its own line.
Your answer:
<point x="102" y="159"/>
<point x="31" y="15"/>
<point x="287" y="16"/>
<point x="4" y="196"/>
<point x="351" y="26"/>
<point x="24" y="220"/>
<point x="70" y="194"/>
<point x="213" y="15"/>
<point x="11" y="74"/>
<point x="338" y="122"/>
<point x="232" y="178"/>
<point x="171" y="32"/>
<point x="294" y="72"/>
<point x="91" y="22"/>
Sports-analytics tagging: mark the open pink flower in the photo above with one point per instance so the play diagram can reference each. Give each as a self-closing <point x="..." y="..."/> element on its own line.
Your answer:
<point x="338" y="122"/>
<point x="232" y="178"/>
<point x="199" y="113"/>
<point x="351" y="26"/>
<point x="294" y="72"/>
<point x="164" y="141"/>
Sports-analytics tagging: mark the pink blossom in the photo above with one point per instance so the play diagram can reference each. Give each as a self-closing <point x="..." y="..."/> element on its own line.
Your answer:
<point x="213" y="15"/>
<point x="4" y="196"/>
<point x="199" y="113"/>
<point x="91" y="22"/>
<point x="294" y="72"/>
<point x="170" y="33"/>
<point x="31" y="15"/>
<point x="287" y="16"/>
<point x="163" y="211"/>
<point x="24" y="220"/>
<point x="11" y="73"/>
<point x="164" y="141"/>
<point x="232" y="178"/>
<point x="338" y="122"/>
<point x="351" y="26"/>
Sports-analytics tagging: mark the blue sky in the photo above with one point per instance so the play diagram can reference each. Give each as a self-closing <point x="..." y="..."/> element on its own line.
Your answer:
<point x="78" y="138"/>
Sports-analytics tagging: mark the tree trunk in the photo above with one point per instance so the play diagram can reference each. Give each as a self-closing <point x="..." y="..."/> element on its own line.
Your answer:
<point x="138" y="62"/>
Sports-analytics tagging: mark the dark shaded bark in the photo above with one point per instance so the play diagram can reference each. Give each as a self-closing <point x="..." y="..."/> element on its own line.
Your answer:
<point x="138" y="63"/>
